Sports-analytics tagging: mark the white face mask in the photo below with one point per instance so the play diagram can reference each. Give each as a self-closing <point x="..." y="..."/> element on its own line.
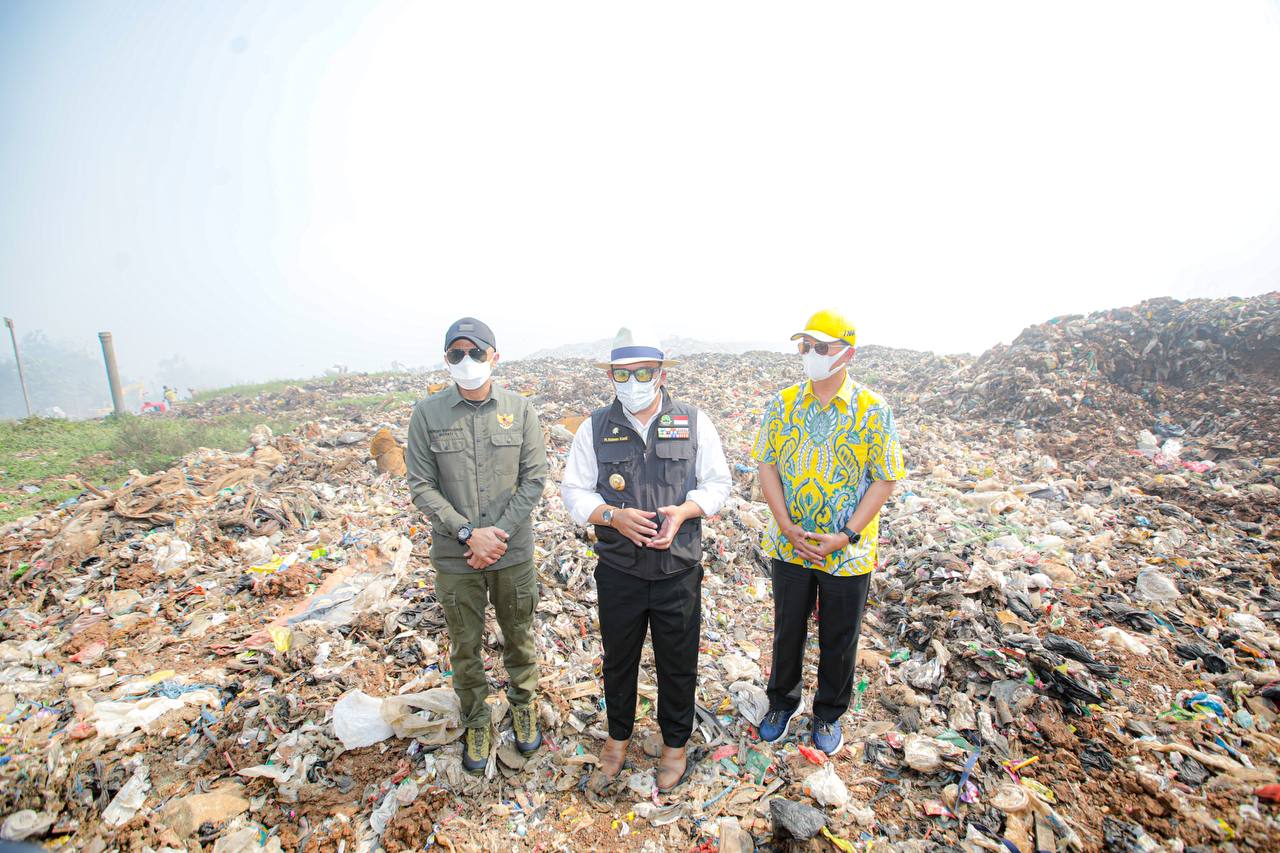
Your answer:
<point x="819" y="367"/>
<point x="469" y="373"/>
<point x="634" y="395"/>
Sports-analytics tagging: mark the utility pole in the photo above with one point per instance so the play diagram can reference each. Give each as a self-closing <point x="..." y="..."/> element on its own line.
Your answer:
<point x="22" y="380"/>
<point x="113" y="374"/>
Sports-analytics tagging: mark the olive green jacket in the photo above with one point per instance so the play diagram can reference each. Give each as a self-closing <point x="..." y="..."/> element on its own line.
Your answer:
<point x="483" y="466"/>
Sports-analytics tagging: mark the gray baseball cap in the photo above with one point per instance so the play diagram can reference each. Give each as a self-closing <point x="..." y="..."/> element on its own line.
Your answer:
<point x="471" y="329"/>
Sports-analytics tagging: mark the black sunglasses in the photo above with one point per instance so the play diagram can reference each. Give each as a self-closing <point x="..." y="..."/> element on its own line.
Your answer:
<point x="642" y="374"/>
<point x="821" y="347"/>
<point x="455" y="356"/>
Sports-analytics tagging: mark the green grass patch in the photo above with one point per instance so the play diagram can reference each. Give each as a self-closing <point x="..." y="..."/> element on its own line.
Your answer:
<point x="52" y="455"/>
<point x="376" y="401"/>
<point x="277" y="385"/>
<point x="260" y="388"/>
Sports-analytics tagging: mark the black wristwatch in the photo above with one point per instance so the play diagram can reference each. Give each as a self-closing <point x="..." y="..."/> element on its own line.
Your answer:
<point x="854" y="538"/>
<point x="464" y="534"/>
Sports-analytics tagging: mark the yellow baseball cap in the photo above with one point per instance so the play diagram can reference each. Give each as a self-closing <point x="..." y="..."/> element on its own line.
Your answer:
<point x="829" y="325"/>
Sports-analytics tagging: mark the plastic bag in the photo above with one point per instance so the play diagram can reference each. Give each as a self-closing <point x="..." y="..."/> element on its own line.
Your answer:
<point x="982" y="576"/>
<point x="825" y="786"/>
<point x="921" y="753"/>
<point x="21" y="825"/>
<point x="432" y="716"/>
<point x="256" y="550"/>
<point x="1148" y="444"/>
<point x="358" y="721"/>
<point x="171" y="556"/>
<point x="119" y="718"/>
<point x="751" y="700"/>
<point x="739" y="667"/>
<point x="1155" y="587"/>
<point x="129" y="799"/>
<point x="1123" y="641"/>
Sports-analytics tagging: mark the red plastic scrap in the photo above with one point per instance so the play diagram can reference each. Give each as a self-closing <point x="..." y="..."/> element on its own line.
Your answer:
<point x="815" y="756"/>
<point x="1270" y="793"/>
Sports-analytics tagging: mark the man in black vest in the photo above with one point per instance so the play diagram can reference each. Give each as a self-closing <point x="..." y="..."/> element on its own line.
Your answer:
<point x="645" y="470"/>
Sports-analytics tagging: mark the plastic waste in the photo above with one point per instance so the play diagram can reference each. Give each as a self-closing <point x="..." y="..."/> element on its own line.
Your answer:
<point x="738" y="667"/>
<point x="1122" y="641"/>
<point x="826" y="787"/>
<point x="432" y="717"/>
<point x="795" y="820"/>
<point x="172" y="556"/>
<point x="1148" y="444"/>
<point x="24" y="824"/>
<point x="129" y="799"/>
<point x="1157" y="588"/>
<point x="112" y="718"/>
<point x="358" y="721"/>
<point x="750" y="700"/>
<point x="921" y="753"/>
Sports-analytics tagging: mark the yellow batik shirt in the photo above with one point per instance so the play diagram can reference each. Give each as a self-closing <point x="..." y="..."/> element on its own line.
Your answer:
<point x="827" y="457"/>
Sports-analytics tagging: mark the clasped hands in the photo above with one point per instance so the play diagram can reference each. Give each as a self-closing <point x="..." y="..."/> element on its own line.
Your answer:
<point x="640" y="527"/>
<point x="813" y="547"/>
<point x="486" y="546"/>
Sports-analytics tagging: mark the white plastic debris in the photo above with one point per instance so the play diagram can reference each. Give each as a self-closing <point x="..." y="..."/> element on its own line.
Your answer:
<point x="1155" y="587"/>
<point x="751" y="700"/>
<point x="357" y="720"/>
<point x="1247" y="622"/>
<point x="21" y="825"/>
<point x="1148" y="444"/>
<point x="433" y="716"/>
<point x="738" y="667"/>
<point x="825" y="786"/>
<point x="129" y="799"/>
<point x="921" y="753"/>
<point x="119" y="718"/>
<point x="1122" y="641"/>
<point x="171" y="556"/>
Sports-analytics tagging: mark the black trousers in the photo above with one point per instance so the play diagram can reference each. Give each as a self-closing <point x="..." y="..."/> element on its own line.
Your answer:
<point x="842" y="601"/>
<point x="629" y="608"/>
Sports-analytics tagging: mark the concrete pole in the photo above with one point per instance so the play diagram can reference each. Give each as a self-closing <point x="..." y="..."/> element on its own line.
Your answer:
<point x="113" y="374"/>
<point x="22" y="380"/>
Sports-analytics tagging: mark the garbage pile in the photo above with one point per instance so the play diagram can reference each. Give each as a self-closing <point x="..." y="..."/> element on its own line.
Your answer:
<point x="1071" y="644"/>
<point x="1205" y="366"/>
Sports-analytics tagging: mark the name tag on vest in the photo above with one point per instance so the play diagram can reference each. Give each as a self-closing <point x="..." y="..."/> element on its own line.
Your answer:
<point x="610" y="439"/>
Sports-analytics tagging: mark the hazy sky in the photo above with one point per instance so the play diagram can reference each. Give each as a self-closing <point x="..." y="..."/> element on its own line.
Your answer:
<point x="272" y="187"/>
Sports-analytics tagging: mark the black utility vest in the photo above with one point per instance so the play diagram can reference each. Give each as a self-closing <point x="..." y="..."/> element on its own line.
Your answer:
<point x="633" y="476"/>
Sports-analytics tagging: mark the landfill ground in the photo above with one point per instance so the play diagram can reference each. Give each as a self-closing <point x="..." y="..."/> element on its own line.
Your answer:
<point x="1071" y="642"/>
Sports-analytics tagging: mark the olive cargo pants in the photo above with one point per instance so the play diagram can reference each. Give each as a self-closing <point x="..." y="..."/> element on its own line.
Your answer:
<point x="513" y="590"/>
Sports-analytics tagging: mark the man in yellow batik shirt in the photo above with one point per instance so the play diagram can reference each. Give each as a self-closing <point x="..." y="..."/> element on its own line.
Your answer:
<point x="829" y="455"/>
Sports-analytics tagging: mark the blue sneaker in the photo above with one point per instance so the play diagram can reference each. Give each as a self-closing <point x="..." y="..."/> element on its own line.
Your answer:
<point x="773" y="727"/>
<point x="827" y="736"/>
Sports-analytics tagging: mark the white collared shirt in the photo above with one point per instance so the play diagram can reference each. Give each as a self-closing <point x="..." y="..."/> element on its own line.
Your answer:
<point x="581" y="470"/>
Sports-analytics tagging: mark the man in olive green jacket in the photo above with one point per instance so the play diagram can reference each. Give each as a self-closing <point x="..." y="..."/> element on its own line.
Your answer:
<point x="477" y="466"/>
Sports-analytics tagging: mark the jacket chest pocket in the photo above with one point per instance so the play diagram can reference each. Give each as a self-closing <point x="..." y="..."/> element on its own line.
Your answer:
<point x="448" y="446"/>
<point x="506" y="451"/>
<point x="678" y="459"/>
<point x="619" y="464"/>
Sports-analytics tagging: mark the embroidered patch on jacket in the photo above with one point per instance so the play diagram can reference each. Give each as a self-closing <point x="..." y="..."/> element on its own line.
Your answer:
<point x="673" y="432"/>
<point x="505" y="421"/>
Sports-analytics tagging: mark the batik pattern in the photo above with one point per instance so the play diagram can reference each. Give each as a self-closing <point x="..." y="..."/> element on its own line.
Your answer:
<point x="827" y="457"/>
